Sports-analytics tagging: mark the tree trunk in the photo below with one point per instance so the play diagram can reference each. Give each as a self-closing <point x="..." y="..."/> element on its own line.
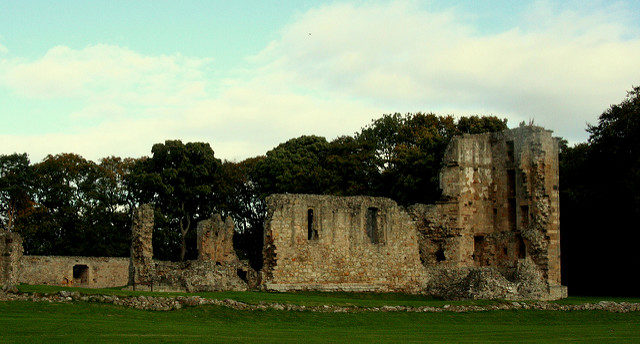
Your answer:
<point x="183" y="231"/>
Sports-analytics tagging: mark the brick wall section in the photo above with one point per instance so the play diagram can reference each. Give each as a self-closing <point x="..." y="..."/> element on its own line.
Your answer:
<point x="101" y="272"/>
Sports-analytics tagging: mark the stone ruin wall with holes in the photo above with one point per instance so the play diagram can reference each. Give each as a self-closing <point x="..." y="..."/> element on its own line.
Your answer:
<point x="494" y="234"/>
<point x="339" y="253"/>
<point x="217" y="267"/>
<point x="88" y="272"/>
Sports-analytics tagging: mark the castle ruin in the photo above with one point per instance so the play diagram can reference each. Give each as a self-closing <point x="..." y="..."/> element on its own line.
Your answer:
<point x="494" y="234"/>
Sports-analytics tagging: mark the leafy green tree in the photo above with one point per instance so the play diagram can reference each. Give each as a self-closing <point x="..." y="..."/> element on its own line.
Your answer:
<point x="62" y="185"/>
<point x="15" y="189"/>
<point x="180" y="179"/>
<point x="351" y="166"/>
<point x="240" y="198"/>
<point x="409" y="151"/>
<point x="600" y="203"/>
<point x="481" y="124"/>
<point x="296" y="166"/>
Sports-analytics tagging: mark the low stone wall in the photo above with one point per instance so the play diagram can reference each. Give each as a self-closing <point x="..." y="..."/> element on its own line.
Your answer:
<point x="202" y="275"/>
<point x="88" y="272"/>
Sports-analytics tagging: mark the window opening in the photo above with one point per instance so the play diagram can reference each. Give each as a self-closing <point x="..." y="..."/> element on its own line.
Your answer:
<point x="312" y="231"/>
<point x="522" y="248"/>
<point x="512" y="213"/>
<point x="510" y="151"/>
<point x="478" y="247"/>
<point x="80" y="273"/>
<point x="372" y="225"/>
<point x="242" y="275"/>
<point x="524" y="214"/>
<point x="511" y="183"/>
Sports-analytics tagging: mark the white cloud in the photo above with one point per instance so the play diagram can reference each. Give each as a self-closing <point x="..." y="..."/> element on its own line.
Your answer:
<point x="107" y="73"/>
<point x="563" y="71"/>
<point x="330" y="71"/>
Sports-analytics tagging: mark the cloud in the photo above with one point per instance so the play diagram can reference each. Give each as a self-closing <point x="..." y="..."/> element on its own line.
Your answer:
<point x="561" y="67"/>
<point x="330" y="71"/>
<point x="107" y="73"/>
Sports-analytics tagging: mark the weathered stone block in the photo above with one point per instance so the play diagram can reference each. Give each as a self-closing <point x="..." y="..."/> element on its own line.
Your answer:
<point x="215" y="239"/>
<point x="10" y="255"/>
<point x="142" y="268"/>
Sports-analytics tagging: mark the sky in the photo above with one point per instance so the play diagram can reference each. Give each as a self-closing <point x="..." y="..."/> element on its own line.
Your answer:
<point x="102" y="78"/>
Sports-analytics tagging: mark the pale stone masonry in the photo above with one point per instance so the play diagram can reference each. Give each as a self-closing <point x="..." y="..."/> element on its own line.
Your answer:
<point x="215" y="239"/>
<point x="322" y="242"/>
<point x="10" y="256"/>
<point x="494" y="234"/>
<point x="217" y="267"/>
<point x="142" y="268"/>
<point x="70" y="271"/>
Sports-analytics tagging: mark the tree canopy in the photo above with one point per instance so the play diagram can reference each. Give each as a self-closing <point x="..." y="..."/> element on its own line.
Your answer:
<point x="600" y="203"/>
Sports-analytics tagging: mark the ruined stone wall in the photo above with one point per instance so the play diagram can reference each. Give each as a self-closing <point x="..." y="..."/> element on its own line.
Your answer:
<point x="499" y="209"/>
<point x="215" y="239"/>
<point x="141" y="267"/>
<point x="217" y="267"/>
<point x="494" y="234"/>
<point x="337" y="243"/>
<point x="87" y="272"/>
<point x="10" y="256"/>
<point x="204" y="275"/>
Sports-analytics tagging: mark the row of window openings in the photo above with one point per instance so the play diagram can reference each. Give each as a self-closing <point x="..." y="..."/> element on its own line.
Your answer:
<point x="371" y="226"/>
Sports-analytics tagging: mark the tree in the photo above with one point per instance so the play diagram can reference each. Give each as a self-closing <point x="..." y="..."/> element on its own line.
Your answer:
<point x="15" y="189"/>
<point x="409" y="150"/>
<point x="240" y="198"/>
<point x="351" y="165"/>
<point x="62" y="192"/>
<point x="180" y="179"/>
<point x="600" y="203"/>
<point x="296" y="166"/>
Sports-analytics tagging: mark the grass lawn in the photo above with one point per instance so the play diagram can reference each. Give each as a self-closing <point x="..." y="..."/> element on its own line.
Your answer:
<point x="39" y="322"/>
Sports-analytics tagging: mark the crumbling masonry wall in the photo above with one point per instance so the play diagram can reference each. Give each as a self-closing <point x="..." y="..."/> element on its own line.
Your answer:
<point x="71" y="271"/>
<point x="88" y="272"/>
<point x="215" y="239"/>
<point x="142" y="267"/>
<point x="217" y="267"/>
<point x="10" y="256"/>
<point x="494" y="234"/>
<point x="333" y="243"/>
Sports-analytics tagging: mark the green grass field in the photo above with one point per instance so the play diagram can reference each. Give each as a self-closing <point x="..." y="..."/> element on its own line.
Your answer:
<point x="79" y="322"/>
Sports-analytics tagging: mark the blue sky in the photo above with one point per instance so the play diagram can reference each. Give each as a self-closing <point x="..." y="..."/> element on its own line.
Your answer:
<point x="113" y="77"/>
